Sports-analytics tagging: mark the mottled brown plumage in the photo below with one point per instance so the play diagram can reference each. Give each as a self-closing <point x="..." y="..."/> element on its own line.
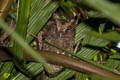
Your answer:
<point x="59" y="33"/>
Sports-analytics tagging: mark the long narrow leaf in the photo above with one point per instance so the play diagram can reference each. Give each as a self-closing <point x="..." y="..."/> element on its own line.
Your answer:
<point x="40" y="16"/>
<point x="20" y="41"/>
<point x="36" y="22"/>
<point x="21" y="27"/>
<point x="110" y="10"/>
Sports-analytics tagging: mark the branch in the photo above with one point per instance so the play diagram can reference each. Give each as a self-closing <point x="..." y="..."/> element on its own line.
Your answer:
<point x="65" y="61"/>
<point x="4" y="7"/>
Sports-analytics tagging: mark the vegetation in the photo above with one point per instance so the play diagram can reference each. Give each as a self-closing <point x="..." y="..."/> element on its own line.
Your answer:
<point x="85" y="33"/>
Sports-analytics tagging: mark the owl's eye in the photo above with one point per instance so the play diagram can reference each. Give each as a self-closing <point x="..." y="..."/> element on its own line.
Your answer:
<point x="69" y="28"/>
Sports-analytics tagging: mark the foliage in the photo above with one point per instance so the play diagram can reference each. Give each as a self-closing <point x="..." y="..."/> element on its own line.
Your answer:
<point x="93" y="40"/>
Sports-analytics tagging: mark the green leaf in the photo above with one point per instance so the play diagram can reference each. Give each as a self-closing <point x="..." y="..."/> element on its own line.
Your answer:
<point x="80" y="76"/>
<point x="21" y="26"/>
<point x="20" y="41"/>
<point x="95" y="14"/>
<point x="91" y="40"/>
<point x="112" y="35"/>
<point x="116" y="56"/>
<point x="81" y="30"/>
<point x="66" y="74"/>
<point x="40" y="13"/>
<point x="6" y="70"/>
<point x="108" y="9"/>
<point x="34" y="68"/>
